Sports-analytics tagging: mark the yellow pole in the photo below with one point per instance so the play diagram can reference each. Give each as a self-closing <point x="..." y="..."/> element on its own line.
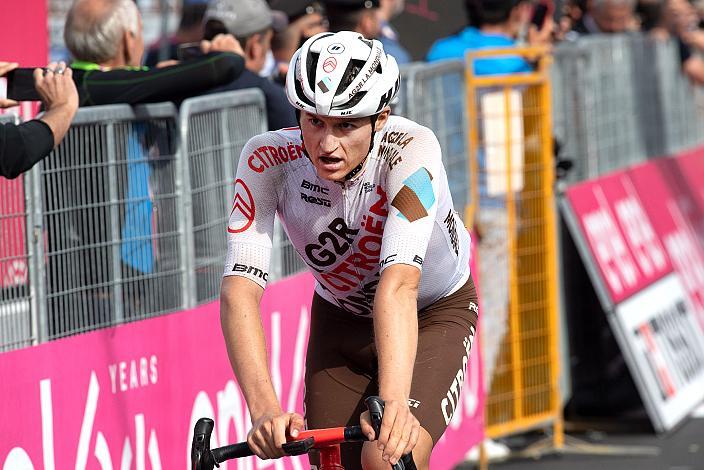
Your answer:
<point x="513" y="303"/>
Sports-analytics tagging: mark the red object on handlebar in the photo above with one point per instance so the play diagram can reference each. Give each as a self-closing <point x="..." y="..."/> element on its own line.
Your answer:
<point x="323" y="437"/>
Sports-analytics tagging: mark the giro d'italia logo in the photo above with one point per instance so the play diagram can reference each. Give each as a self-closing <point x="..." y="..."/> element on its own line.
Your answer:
<point x="242" y="214"/>
<point x="329" y="65"/>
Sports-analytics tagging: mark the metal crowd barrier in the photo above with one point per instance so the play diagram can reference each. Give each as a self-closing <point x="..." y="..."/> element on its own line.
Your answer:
<point x="106" y="221"/>
<point x="434" y="95"/>
<point x="214" y="129"/>
<point x="620" y="100"/>
<point x="15" y="259"/>
<point x="511" y="157"/>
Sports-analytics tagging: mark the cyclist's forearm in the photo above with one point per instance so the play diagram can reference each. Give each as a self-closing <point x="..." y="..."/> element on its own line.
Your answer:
<point x="246" y="344"/>
<point x="396" y="336"/>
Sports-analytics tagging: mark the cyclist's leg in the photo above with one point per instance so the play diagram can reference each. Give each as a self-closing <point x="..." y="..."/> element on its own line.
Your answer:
<point x="445" y="333"/>
<point x="372" y="456"/>
<point x="340" y="364"/>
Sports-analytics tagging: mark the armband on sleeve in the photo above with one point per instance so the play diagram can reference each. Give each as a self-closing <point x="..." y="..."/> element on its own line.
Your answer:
<point x="413" y="203"/>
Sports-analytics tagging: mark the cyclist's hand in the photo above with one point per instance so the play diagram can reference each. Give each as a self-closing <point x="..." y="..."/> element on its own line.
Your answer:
<point x="269" y="432"/>
<point x="399" y="430"/>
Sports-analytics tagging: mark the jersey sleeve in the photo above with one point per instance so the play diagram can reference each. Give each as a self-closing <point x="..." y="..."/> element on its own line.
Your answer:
<point x="413" y="188"/>
<point x="251" y="224"/>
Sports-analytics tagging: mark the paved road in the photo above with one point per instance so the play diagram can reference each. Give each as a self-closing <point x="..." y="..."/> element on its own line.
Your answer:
<point x="682" y="449"/>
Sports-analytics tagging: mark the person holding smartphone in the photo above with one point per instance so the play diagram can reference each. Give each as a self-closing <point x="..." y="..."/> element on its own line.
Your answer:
<point x="22" y="146"/>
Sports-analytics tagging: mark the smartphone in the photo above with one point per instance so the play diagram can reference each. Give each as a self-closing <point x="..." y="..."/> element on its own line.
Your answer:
<point x="540" y="12"/>
<point x="20" y="85"/>
<point x="188" y="50"/>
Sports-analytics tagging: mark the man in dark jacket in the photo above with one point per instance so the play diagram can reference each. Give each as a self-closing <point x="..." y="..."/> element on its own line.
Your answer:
<point x="21" y="147"/>
<point x="251" y="21"/>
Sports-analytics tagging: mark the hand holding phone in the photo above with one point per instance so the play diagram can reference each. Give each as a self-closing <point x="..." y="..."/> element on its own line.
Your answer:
<point x="541" y="24"/>
<point x="188" y="50"/>
<point x="540" y="13"/>
<point x="20" y="85"/>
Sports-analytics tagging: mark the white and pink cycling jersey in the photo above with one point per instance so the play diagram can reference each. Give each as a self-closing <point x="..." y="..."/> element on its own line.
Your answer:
<point x="397" y="209"/>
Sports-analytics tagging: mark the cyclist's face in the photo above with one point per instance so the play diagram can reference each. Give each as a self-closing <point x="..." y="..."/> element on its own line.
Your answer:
<point x="337" y="145"/>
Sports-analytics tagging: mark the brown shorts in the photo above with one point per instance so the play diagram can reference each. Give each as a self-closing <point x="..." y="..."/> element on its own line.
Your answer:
<point x="341" y="365"/>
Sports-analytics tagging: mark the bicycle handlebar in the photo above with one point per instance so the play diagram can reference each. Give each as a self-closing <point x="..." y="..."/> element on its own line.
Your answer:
<point x="203" y="458"/>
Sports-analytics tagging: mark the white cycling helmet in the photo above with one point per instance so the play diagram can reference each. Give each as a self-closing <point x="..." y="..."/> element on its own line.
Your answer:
<point x="342" y="75"/>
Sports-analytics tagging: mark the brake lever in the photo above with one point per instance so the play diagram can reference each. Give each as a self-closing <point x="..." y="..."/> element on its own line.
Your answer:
<point x="375" y="405"/>
<point x="298" y="447"/>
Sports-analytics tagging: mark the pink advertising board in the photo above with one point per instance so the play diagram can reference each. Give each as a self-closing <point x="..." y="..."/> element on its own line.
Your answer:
<point x="626" y="250"/>
<point x="637" y="232"/>
<point x="669" y="209"/>
<point x="127" y="397"/>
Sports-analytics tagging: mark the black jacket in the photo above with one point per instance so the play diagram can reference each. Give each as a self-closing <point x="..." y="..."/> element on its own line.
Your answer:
<point x="22" y="146"/>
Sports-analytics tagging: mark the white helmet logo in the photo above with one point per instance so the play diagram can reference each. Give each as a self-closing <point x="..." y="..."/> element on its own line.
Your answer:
<point x="336" y="48"/>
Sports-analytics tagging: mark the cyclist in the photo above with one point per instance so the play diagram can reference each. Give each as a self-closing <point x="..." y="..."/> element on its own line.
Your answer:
<point x="365" y="201"/>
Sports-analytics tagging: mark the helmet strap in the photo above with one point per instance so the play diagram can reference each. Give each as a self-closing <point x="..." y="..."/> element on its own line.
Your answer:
<point x="359" y="167"/>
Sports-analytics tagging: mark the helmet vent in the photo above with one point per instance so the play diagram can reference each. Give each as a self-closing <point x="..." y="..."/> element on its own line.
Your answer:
<point x="367" y="42"/>
<point x="353" y="102"/>
<point x="310" y="70"/>
<point x="301" y="95"/>
<point x="351" y="73"/>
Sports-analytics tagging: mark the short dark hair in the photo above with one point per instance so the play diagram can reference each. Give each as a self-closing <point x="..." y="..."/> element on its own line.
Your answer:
<point x="483" y="12"/>
<point x="344" y="19"/>
<point x="192" y="15"/>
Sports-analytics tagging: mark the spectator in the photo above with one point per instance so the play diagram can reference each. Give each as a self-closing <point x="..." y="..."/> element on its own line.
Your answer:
<point x="389" y="9"/>
<point x="608" y="17"/>
<point x="106" y="36"/>
<point x="492" y="24"/>
<point x="190" y="30"/>
<point x="361" y="16"/>
<point x="678" y="20"/>
<point x="106" y="41"/>
<point x="306" y="18"/>
<point x="21" y="147"/>
<point x="251" y="22"/>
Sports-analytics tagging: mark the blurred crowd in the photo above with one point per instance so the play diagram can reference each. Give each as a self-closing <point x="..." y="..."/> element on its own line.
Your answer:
<point x="234" y="44"/>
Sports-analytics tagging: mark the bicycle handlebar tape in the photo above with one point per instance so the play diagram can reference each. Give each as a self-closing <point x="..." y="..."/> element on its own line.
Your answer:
<point x="201" y="458"/>
<point x="234" y="451"/>
<point x="375" y="405"/>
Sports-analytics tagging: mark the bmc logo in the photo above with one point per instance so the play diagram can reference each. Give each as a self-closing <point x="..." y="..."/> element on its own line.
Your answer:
<point x="314" y="187"/>
<point x="243" y="268"/>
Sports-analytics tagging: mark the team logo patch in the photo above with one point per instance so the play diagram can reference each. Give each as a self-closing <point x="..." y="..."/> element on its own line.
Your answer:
<point x="243" y="209"/>
<point x="324" y="84"/>
<point x="330" y="64"/>
<point x="416" y="196"/>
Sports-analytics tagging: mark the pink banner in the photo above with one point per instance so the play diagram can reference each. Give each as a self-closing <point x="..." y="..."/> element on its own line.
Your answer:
<point x="127" y="397"/>
<point x="626" y="250"/>
<point x="644" y="223"/>
<point x="669" y="208"/>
